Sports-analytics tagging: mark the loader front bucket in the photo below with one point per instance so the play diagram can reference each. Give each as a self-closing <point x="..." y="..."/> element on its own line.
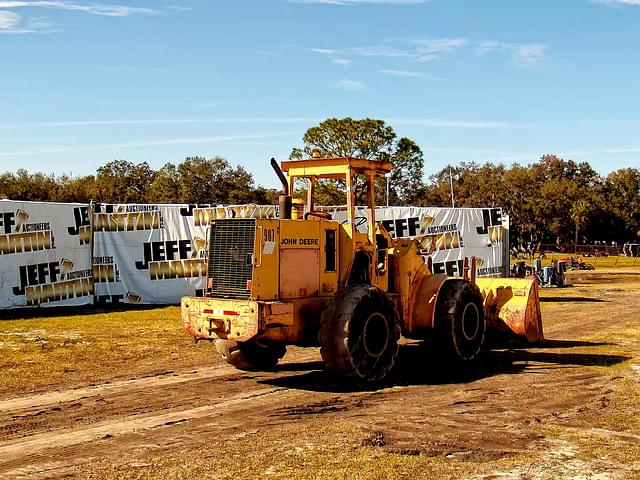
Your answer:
<point x="512" y="307"/>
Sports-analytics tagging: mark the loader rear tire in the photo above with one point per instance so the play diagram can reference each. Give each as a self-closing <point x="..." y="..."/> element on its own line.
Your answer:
<point x="359" y="333"/>
<point x="460" y="323"/>
<point x="251" y="356"/>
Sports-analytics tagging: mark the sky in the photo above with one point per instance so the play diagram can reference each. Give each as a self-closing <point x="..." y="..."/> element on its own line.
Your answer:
<point x="84" y="83"/>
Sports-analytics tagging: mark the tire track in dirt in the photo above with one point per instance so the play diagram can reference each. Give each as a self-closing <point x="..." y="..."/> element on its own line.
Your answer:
<point x="166" y="379"/>
<point x="82" y="415"/>
<point x="125" y="403"/>
<point x="53" y="439"/>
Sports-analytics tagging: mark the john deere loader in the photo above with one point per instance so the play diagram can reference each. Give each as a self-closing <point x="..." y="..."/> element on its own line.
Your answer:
<point x="304" y="279"/>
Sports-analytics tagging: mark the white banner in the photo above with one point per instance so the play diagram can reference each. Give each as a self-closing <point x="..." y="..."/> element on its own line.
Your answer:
<point x="45" y="254"/>
<point x="447" y="235"/>
<point x="155" y="254"/>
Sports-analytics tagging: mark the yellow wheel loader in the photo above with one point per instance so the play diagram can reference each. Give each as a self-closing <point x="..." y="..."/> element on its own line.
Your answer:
<point x="305" y="279"/>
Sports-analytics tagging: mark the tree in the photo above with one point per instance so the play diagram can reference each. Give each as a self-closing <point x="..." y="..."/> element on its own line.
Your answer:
<point x="345" y="137"/>
<point x="197" y="179"/>
<point x="74" y="189"/>
<point x="265" y="196"/>
<point x="621" y="193"/>
<point x="26" y="186"/>
<point x="520" y="203"/>
<point x="213" y="181"/>
<point x="120" y="181"/>
<point x="238" y="184"/>
<point x="369" y="139"/>
<point x="165" y="187"/>
<point x="405" y="181"/>
<point x="580" y="216"/>
<point x="6" y="180"/>
<point x="546" y="201"/>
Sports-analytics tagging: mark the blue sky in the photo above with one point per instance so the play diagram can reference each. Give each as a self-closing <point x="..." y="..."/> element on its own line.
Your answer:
<point x="83" y="83"/>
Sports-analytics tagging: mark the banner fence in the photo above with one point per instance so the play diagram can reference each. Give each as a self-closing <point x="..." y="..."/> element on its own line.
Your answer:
<point x="54" y="254"/>
<point x="45" y="259"/>
<point x="447" y="235"/>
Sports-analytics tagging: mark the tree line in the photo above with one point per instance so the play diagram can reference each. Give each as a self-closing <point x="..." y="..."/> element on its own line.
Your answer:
<point x="195" y="180"/>
<point x="552" y="200"/>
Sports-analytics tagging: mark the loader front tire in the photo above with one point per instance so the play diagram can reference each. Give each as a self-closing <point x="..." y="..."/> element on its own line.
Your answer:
<point x="460" y="323"/>
<point x="251" y="356"/>
<point x="359" y="333"/>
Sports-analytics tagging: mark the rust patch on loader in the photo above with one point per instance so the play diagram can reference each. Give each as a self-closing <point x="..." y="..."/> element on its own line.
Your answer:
<point x="512" y="307"/>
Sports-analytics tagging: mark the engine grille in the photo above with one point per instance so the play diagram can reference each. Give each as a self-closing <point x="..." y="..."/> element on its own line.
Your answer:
<point x="231" y="257"/>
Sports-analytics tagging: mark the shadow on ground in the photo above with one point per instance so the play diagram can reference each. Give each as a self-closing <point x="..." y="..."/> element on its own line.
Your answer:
<point x="39" y="312"/>
<point x="572" y="344"/>
<point x="417" y="365"/>
<point x="572" y="299"/>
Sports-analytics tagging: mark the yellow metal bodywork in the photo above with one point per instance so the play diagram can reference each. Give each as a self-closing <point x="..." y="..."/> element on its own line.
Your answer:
<point x="512" y="306"/>
<point x="334" y="167"/>
<point x="267" y="259"/>
<point x="207" y="318"/>
<point x="292" y="281"/>
<point x="294" y="321"/>
<point x="290" y="259"/>
<point x="299" y="264"/>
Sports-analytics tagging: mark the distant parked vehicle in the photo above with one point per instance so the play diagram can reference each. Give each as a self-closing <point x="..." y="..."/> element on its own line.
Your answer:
<point x="631" y="249"/>
<point x="577" y="264"/>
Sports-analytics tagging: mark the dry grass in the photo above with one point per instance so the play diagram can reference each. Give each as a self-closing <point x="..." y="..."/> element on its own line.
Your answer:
<point x="86" y="346"/>
<point x="612" y="262"/>
<point x="320" y="451"/>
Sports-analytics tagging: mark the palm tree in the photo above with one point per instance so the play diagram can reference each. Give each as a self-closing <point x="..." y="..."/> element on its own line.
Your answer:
<point x="580" y="216"/>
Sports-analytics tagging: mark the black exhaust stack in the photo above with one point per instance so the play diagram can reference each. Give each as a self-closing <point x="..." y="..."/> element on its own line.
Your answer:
<point x="284" y="200"/>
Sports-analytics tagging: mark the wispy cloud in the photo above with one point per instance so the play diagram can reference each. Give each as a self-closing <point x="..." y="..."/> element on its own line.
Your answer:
<point x="149" y="143"/>
<point x="342" y="61"/>
<point x="620" y="2"/>
<point x="12" y="22"/>
<point x="129" y="68"/>
<point x="530" y="55"/>
<point x="179" y="8"/>
<point x="109" y="10"/>
<point x="417" y="49"/>
<point x="410" y="74"/>
<point x="524" y="55"/>
<point x="489" y="46"/>
<point x="359" y="2"/>
<point x="325" y="51"/>
<point x="444" y="123"/>
<point x="9" y="20"/>
<point x="430" y="48"/>
<point x="379" y="51"/>
<point x="163" y="121"/>
<point x="610" y="150"/>
<point x="351" y="85"/>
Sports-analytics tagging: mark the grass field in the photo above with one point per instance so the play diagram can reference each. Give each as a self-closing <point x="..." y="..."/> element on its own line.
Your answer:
<point x="81" y="346"/>
<point x="612" y="262"/>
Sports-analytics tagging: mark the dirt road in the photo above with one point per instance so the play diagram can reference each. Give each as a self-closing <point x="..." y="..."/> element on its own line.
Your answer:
<point x="582" y="384"/>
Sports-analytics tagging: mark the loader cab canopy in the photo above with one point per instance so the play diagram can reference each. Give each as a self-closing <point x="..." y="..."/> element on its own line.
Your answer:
<point x="336" y="168"/>
<point x="339" y="168"/>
